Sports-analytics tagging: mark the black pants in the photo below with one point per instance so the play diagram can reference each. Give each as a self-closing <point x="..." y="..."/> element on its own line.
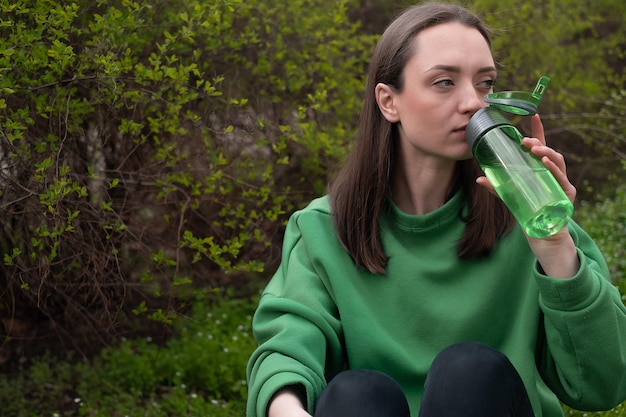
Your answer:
<point x="465" y="380"/>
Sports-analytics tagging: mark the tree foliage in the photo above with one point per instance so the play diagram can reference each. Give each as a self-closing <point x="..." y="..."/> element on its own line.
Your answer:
<point x="149" y="149"/>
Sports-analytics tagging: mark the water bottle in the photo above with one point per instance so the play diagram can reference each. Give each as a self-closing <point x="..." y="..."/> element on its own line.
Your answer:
<point x="522" y="181"/>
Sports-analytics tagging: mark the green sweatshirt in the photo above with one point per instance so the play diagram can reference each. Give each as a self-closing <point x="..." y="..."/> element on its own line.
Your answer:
<point x="320" y="314"/>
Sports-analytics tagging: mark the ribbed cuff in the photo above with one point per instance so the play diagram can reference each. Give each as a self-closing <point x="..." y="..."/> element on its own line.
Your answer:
<point x="568" y="294"/>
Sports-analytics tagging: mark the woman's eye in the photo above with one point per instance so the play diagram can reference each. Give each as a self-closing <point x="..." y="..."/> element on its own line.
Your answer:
<point x="444" y="83"/>
<point x="489" y="83"/>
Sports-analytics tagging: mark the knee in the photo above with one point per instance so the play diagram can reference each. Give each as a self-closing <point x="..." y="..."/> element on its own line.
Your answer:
<point x="469" y="357"/>
<point x="473" y="376"/>
<point x="470" y="365"/>
<point x="361" y="382"/>
<point x="362" y="392"/>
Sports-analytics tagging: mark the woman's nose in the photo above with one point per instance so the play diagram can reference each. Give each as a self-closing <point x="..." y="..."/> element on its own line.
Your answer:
<point x="472" y="100"/>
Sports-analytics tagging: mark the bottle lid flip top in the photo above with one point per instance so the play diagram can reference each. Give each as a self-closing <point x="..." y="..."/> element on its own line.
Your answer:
<point x="522" y="103"/>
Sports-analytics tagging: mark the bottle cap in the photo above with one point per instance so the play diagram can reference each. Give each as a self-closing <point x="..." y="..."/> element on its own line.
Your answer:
<point x="482" y="121"/>
<point x="521" y="103"/>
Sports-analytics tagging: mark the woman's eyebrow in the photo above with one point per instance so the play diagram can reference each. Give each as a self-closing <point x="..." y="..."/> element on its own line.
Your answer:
<point x="457" y="69"/>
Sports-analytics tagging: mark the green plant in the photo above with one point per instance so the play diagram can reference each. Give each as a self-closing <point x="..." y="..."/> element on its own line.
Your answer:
<point x="152" y="149"/>
<point x="36" y="391"/>
<point x="618" y="411"/>
<point x="605" y="221"/>
<point x="200" y="371"/>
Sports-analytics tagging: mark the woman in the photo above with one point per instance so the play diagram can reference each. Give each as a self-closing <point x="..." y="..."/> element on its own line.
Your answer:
<point x="410" y="290"/>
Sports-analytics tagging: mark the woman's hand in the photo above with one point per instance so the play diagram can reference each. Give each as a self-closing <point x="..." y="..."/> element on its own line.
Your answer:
<point x="286" y="403"/>
<point x="553" y="160"/>
<point x="556" y="254"/>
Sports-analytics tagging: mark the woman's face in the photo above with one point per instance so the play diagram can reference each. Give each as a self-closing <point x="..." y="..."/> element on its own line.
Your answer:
<point x="445" y="82"/>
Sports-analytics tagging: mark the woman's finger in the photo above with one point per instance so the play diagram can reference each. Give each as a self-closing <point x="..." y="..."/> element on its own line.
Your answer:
<point x="536" y="128"/>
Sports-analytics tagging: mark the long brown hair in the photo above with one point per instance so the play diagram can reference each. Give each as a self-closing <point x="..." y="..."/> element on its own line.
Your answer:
<point x="362" y="187"/>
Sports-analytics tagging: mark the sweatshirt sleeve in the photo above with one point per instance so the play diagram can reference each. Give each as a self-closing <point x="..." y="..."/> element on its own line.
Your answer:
<point x="296" y="327"/>
<point x="582" y="356"/>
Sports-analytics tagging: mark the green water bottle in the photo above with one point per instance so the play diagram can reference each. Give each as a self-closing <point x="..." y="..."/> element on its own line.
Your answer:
<point x="519" y="177"/>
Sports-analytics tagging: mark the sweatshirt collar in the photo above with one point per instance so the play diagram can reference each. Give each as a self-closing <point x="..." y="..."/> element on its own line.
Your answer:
<point x="413" y="223"/>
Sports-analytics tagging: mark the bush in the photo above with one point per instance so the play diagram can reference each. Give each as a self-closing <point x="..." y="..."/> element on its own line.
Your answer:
<point x="152" y="149"/>
<point x="200" y="372"/>
<point x="605" y="221"/>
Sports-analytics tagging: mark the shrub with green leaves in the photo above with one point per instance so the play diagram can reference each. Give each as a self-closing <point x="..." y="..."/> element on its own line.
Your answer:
<point x="605" y="221"/>
<point x="151" y="148"/>
<point x="199" y="372"/>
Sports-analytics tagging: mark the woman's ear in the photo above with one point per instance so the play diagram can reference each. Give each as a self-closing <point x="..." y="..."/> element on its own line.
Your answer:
<point x="385" y="99"/>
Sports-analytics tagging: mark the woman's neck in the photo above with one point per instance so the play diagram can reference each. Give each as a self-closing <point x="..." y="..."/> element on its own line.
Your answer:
<point x="419" y="188"/>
